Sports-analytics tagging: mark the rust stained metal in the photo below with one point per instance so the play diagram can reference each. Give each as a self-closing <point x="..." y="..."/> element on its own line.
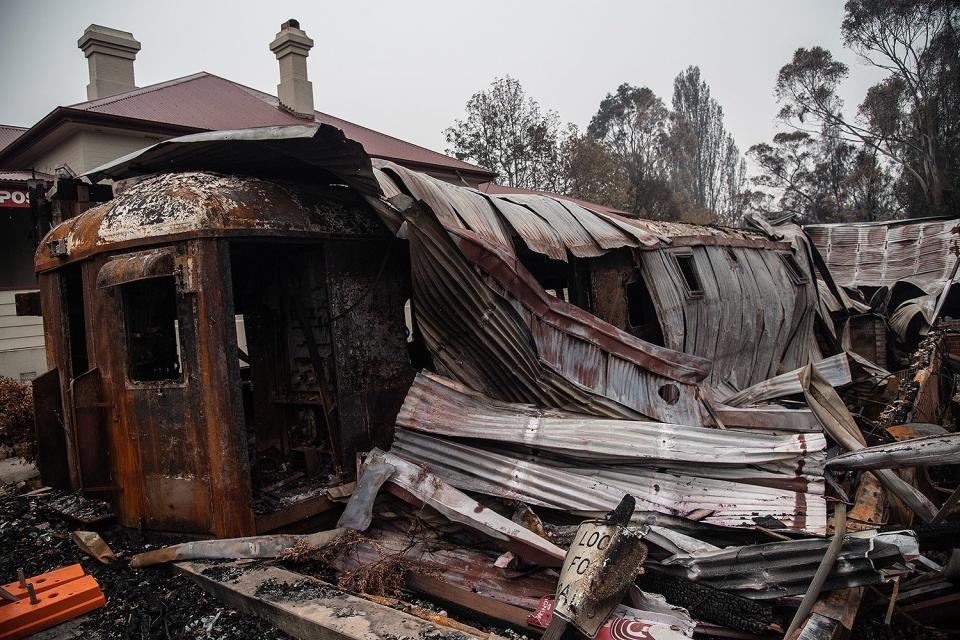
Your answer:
<point x="535" y="231"/>
<point x="314" y="153"/>
<point x="576" y="237"/>
<point x="507" y="337"/>
<point x="840" y="370"/>
<point x="779" y="569"/>
<point x="441" y="407"/>
<point x="553" y="226"/>
<point x="875" y="254"/>
<point x="747" y="312"/>
<point x="154" y="263"/>
<point x="916" y="452"/>
<point x="486" y="320"/>
<point x="597" y="489"/>
<point x="830" y="410"/>
<point x="178" y="206"/>
<point x="457" y="208"/>
<point x="459" y="507"/>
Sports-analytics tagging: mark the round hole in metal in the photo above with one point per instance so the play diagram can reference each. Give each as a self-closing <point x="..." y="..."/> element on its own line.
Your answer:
<point x="670" y="393"/>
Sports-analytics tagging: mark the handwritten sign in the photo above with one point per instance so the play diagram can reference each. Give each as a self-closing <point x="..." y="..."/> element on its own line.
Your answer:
<point x="583" y="560"/>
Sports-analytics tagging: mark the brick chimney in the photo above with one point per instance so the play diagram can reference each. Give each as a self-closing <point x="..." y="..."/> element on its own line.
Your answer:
<point x="110" y="54"/>
<point x="292" y="46"/>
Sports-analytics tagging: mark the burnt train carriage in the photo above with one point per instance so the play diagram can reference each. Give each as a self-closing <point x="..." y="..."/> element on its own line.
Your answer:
<point x="193" y="303"/>
<point x="222" y="345"/>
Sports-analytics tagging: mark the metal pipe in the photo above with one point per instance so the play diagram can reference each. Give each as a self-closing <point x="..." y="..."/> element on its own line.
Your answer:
<point x="826" y="566"/>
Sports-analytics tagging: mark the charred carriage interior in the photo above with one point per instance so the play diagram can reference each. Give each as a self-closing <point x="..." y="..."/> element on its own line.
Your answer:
<point x="304" y="318"/>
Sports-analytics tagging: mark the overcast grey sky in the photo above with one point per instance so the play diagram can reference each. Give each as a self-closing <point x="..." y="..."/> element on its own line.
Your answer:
<point x="407" y="68"/>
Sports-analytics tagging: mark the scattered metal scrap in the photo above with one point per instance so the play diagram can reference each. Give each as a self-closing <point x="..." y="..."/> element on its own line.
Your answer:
<point x="480" y="374"/>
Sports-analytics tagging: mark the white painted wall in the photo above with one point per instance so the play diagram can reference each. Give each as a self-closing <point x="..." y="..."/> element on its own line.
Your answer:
<point x="22" y="355"/>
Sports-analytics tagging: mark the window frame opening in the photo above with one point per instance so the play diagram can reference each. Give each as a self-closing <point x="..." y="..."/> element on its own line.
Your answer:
<point x="686" y="265"/>
<point x="75" y="314"/>
<point x="793" y="268"/>
<point x="138" y="301"/>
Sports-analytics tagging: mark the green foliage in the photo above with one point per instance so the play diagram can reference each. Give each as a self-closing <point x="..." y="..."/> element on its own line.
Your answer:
<point x="907" y="129"/>
<point x="506" y="131"/>
<point x="636" y="154"/>
<point x="821" y="179"/>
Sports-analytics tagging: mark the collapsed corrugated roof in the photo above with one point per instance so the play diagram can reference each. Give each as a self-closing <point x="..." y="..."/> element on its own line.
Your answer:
<point x="876" y="254"/>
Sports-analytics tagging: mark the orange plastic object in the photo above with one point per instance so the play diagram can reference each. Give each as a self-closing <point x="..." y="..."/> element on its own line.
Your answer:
<point x="70" y="599"/>
<point x="47" y="580"/>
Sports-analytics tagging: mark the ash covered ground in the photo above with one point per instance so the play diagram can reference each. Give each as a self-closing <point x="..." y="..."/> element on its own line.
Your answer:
<point x="141" y="604"/>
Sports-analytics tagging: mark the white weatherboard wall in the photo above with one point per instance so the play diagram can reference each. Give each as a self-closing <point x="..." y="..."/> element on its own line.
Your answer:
<point x="22" y="353"/>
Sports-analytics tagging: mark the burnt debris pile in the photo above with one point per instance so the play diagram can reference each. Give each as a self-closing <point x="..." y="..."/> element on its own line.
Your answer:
<point x="451" y="413"/>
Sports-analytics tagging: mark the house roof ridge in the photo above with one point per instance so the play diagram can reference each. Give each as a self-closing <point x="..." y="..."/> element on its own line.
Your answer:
<point x="88" y="105"/>
<point x="263" y="94"/>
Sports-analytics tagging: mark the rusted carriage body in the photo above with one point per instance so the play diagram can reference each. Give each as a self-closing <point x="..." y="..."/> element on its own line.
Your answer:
<point x="142" y="321"/>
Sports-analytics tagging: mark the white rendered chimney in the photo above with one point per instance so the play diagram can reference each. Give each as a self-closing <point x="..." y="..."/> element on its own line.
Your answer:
<point x="110" y="54"/>
<point x="292" y="46"/>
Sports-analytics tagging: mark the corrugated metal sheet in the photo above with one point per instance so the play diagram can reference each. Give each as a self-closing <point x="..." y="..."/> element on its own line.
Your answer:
<point x="23" y="176"/>
<point x="874" y="254"/>
<point x="272" y="152"/>
<point x="575" y="236"/>
<point x="840" y="370"/>
<point x="535" y="231"/>
<point x="548" y="224"/>
<point x="598" y="489"/>
<point x="500" y="333"/>
<point x="779" y="569"/>
<point x="751" y="317"/>
<point x="441" y="407"/>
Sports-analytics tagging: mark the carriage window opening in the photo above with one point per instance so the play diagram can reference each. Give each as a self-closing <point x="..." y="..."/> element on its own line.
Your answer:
<point x="688" y="269"/>
<point x="153" y="336"/>
<point x="794" y="270"/>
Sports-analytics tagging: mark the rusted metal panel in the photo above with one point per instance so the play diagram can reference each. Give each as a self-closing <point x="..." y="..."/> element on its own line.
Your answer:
<point x="575" y="237"/>
<point x="457" y="506"/>
<point x="52" y="456"/>
<point x="747" y="316"/>
<point x="91" y="418"/>
<point x="221" y="404"/>
<point x="779" y="569"/>
<point x="516" y="342"/>
<point x="174" y="206"/>
<point x="155" y="263"/>
<point x="278" y="152"/>
<point x="538" y="235"/>
<point x="840" y="370"/>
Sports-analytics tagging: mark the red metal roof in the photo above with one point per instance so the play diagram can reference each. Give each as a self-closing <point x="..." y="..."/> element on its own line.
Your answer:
<point x="9" y="133"/>
<point x="206" y="101"/>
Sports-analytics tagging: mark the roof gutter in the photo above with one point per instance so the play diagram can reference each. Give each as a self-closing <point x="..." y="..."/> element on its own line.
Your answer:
<point x="62" y="115"/>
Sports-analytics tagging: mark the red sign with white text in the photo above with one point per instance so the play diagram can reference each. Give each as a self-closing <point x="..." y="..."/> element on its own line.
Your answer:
<point x="14" y="198"/>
